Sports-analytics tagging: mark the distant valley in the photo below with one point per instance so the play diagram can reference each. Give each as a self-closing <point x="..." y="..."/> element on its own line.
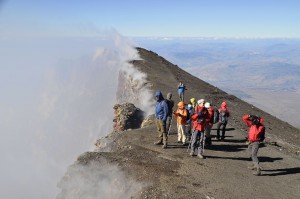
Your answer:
<point x="264" y="72"/>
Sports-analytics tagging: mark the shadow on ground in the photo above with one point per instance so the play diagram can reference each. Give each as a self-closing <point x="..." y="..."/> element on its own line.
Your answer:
<point x="261" y="158"/>
<point x="280" y="172"/>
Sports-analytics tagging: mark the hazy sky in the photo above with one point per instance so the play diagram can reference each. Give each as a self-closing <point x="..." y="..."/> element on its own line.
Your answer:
<point x="225" y="18"/>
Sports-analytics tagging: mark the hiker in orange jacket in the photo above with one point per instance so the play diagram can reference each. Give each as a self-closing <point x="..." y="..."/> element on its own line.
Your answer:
<point x="255" y="135"/>
<point x="181" y="115"/>
<point x="223" y="120"/>
<point x="199" y="119"/>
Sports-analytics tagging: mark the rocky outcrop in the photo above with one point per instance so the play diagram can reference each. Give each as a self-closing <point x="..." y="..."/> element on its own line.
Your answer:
<point x="127" y="116"/>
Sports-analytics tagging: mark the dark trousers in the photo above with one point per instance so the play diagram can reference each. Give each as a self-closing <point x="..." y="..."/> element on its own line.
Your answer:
<point x="221" y="126"/>
<point x="168" y="123"/>
<point x="253" y="150"/>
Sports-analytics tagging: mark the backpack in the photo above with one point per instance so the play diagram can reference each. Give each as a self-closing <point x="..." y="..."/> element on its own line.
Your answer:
<point x="262" y="136"/>
<point x="188" y="115"/>
<point x="223" y="117"/>
<point x="216" y="116"/>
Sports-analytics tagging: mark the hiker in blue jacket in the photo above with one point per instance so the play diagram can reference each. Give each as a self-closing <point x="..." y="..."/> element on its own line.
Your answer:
<point x="161" y="113"/>
<point x="181" y="88"/>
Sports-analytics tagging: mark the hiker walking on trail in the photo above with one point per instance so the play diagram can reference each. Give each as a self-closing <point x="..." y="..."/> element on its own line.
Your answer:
<point x="209" y="122"/>
<point x="161" y="112"/>
<point x="223" y="120"/>
<point x="256" y="134"/>
<point x="181" y="88"/>
<point x="181" y="115"/>
<point x="170" y="104"/>
<point x="198" y="119"/>
<point x="188" y="126"/>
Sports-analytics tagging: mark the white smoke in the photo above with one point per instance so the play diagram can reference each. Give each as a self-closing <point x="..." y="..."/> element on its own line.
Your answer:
<point x="97" y="180"/>
<point x="56" y="100"/>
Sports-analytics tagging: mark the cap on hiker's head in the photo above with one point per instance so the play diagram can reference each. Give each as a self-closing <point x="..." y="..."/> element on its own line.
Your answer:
<point x="193" y="100"/>
<point x="207" y="105"/>
<point x="169" y="95"/>
<point x="180" y="104"/>
<point x="200" y="101"/>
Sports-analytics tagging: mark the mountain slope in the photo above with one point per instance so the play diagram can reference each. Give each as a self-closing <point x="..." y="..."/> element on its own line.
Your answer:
<point x="172" y="173"/>
<point x="165" y="76"/>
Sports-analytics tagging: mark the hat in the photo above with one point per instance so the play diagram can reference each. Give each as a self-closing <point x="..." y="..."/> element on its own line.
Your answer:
<point x="180" y="104"/>
<point x="200" y="101"/>
<point x="207" y="105"/>
<point x="193" y="100"/>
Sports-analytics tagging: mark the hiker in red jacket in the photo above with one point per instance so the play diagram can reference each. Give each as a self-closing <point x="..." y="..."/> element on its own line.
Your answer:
<point x="223" y="120"/>
<point x="198" y="123"/>
<point x="256" y="134"/>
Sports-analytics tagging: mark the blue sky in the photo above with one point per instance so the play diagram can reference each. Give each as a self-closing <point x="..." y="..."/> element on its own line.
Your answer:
<point x="189" y="18"/>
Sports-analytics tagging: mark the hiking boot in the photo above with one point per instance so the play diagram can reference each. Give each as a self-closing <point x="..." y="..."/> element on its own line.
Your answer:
<point x="192" y="153"/>
<point x="164" y="146"/>
<point x="184" y="144"/>
<point x="257" y="172"/>
<point x="158" y="143"/>
<point x="200" y="156"/>
<point x="179" y="141"/>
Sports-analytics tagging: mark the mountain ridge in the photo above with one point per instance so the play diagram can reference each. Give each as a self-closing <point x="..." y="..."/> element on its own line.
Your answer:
<point x="153" y="172"/>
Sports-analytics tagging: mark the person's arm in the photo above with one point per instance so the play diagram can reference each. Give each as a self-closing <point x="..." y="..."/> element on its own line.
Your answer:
<point x="261" y="130"/>
<point x="247" y="120"/>
<point x="165" y="108"/>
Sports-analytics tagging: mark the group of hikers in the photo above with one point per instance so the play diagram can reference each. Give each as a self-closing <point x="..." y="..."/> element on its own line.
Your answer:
<point x="195" y="120"/>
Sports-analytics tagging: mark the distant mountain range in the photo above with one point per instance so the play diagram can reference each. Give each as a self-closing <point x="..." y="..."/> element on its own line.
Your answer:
<point x="248" y="68"/>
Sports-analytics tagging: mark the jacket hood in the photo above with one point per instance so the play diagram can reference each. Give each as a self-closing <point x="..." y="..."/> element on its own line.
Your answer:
<point x="159" y="95"/>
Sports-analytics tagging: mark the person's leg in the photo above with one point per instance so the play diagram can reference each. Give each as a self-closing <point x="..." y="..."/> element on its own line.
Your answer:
<point x="178" y="132"/>
<point x="218" y="130"/>
<point x="159" y="131"/>
<point x="183" y="134"/>
<point x="165" y="136"/>
<point x="207" y="135"/>
<point x="223" y="131"/>
<point x="188" y="132"/>
<point x="168" y="123"/>
<point x="254" y="151"/>
<point x="193" y="141"/>
<point x="201" y="145"/>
